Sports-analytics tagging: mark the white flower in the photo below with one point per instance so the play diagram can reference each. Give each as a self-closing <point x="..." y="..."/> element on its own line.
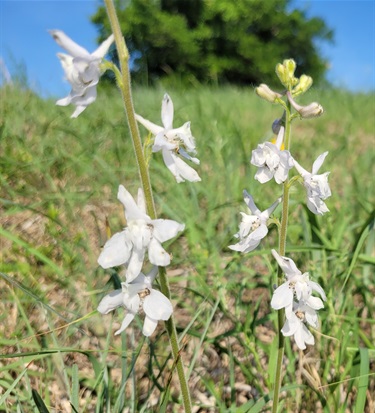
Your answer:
<point x="82" y="70"/>
<point x="295" y="324"/>
<point x="139" y="296"/>
<point x="172" y="142"/>
<point x="317" y="186"/>
<point x="253" y="228"/>
<point x="297" y="285"/>
<point x="141" y="234"/>
<point x="272" y="161"/>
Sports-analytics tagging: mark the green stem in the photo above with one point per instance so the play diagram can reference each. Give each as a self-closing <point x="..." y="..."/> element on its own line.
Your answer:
<point x="125" y="87"/>
<point x="282" y="248"/>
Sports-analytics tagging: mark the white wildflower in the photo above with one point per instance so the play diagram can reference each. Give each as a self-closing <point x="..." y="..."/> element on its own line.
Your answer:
<point x="317" y="187"/>
<point x="173" y="142"/>
<point x="272" y="161"/>
<point x="139" y="296"/>
<point x="253" y="228"/>
<point x="82" y="70"/>
<point x="141" y="234"/>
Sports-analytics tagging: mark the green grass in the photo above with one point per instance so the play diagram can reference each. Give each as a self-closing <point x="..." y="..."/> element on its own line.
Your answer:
<point x="59" y="180"/>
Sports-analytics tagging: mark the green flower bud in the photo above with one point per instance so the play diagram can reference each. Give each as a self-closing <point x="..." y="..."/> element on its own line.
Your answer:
<point x="285" y="73"/>
<point x="303" y="86"/>
<point x="266" y="93"/>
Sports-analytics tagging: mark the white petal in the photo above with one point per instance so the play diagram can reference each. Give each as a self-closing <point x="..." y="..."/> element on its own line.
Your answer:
<point x="141" y="201"/>
<point x="179" y="168"/>
<point x="302" y="171"/>
<point x="102" y="50"/>
<point x="83" y="96"/>
<point x="154" y="129"/>
<point x="78" y="110"/>
<point x="64" y="101"/>
<point x="282" y="297"/>
<point x="132" y="210"/>
<point x="291" y="325"/>
<point x="133" y="302"/>
<point x="267" y="213"/>
<point x="318" y="163"/>
<point x="259" y="233"/>
<point x="161" y="142"/>
<point x="127" y="320"/>
<point x="249" y="201"/>
<point x="167" y="112"/>
<point x="258" y="156"/>
<point x="157" y="254"/>
<point x="184" y="134"/>
<point x="246" y="245"/>
<point x="68" y="44"/>
<point x="263" y="174"/>
<point x="157" y="306"/>
<point x="280" y="137"/>
<point x="111" y="301"/>
<point x="316" y="205"/>
<point x="149" y="326"/>
<point x="286" y="264"/>
<point x="311" y="315"/>
<point x="165" y="229"/>
<point x="135" y="264"/>
<point x="116" y="251"/>
<point x="315" y="303"/>
<point x="302" y="336"/>
<point x="316" y="287"/>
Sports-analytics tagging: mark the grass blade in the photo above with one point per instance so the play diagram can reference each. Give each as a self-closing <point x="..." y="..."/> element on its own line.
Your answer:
<point x="39" y="402"/>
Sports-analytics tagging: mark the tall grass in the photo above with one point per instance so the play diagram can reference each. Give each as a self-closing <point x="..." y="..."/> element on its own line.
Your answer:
<point x="58" y="197"/>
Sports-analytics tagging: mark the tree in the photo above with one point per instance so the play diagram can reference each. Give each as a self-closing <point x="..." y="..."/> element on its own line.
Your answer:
<point x="222" y="40"/>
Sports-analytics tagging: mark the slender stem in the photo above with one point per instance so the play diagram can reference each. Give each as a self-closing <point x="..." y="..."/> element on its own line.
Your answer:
<point x="282" y="247"/>
<point x="125" y="87"/>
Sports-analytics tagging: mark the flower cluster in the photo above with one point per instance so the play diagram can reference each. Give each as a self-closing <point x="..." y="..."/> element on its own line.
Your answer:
<point x="295" y="295"/>
<point x="128" y="248"/>
<point x="274" y="161"/>
<point x="142" y="236"/>
<point x="82" y="70"/>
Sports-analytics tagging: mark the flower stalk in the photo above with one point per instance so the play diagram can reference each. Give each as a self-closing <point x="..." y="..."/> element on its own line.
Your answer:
<point x="125" y="87"/>
<point x="282" y="247"/>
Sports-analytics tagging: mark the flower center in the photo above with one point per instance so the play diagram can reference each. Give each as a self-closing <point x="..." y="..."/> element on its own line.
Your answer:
<point x="300" y="315"/>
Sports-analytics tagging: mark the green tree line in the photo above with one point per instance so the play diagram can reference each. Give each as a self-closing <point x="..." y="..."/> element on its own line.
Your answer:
<point x="237" y="41"/>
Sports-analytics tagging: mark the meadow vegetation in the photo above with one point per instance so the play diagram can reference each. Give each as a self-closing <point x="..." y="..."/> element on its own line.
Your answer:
<point x="59" y="180"/>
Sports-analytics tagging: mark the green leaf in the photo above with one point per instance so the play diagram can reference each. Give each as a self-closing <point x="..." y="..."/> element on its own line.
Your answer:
<point x="39" y="402"/>
<point x="363" y="380"/>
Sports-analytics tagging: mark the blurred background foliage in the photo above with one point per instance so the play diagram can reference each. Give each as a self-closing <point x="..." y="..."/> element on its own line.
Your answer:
<point x="217" y="41"/>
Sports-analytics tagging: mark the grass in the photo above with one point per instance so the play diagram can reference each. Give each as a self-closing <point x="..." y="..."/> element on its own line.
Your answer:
<point x="59" y="179"/>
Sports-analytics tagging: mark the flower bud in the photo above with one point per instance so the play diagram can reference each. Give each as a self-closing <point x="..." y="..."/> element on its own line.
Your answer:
<point x="312" y="110"/>
<point x="285" y="73"/>
<point x="276" y="125"/>
<point x="303" y="86"/>
<point x="266" y="93"/>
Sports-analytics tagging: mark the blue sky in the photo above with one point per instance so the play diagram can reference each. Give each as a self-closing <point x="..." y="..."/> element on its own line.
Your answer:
<point x="24" y="40"/>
